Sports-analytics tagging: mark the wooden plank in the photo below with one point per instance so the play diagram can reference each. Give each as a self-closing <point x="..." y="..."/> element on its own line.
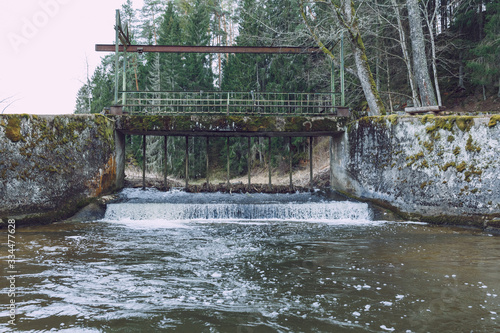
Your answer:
<point x="423" y="109"/>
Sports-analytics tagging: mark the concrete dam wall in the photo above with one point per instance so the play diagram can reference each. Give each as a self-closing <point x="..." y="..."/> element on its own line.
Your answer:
<point x="50" y="166"/>
<point x="443" y="170"/>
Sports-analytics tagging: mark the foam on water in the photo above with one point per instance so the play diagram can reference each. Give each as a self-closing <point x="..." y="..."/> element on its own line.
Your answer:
<point x="226" y="211"/>
<point x="177" y="209"/>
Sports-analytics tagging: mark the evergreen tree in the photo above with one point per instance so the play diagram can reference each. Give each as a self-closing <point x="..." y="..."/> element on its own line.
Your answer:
<point x="485" y="67"/>
<point x="83" y="100"/>
<point x="101" y="87"/>
<point x="171" y="63"/>
<point x="197" y="73"/>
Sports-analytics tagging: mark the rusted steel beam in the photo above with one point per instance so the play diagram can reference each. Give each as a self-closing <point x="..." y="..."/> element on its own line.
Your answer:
<point x="209" y="49"/>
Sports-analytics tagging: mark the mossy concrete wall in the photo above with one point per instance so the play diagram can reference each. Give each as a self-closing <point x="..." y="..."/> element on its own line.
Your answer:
<point x="52" y="165"/>
<point x="223" y="125"/>
<point x="436" y="169"/>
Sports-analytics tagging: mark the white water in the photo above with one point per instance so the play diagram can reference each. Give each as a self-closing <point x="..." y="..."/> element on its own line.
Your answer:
<point x="230" y="211"/>
<point x="174" y="208"/>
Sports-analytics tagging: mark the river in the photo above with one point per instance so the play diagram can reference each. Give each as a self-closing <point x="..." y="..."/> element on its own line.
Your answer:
<point x="179" y="262"/>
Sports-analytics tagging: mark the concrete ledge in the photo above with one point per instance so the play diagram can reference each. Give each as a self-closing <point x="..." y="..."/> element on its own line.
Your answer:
<point x="219" y="125"/>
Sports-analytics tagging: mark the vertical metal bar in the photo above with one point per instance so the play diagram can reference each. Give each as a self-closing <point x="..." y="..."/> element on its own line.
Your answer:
<point x="342" y="76"/>
<point x="165" y="167"/>
<point x="269" y="160"/>
<point x="143" y="162"/>
<point x="310" y="162"/>
<point x="187" y="161"/>
<point x="117" y="49"/>
<point x="228" y="162"/>
<point x="249" y="160"/>
<point x="332" y="82"/>
<point x="124" y="94"/>
<point x="208" y="162"/>
<point x="290" y="160"/>
<point x="331" y="162"/>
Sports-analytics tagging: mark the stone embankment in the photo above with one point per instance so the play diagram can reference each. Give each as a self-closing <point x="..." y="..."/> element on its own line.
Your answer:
<point x="443" y="170"/>
<point x="51" y="166"/>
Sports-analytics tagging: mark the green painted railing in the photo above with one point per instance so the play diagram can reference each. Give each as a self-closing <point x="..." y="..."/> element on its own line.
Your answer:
<point x="234" y="103"/>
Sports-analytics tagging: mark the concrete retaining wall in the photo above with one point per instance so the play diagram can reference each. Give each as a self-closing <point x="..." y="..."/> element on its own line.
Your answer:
<point x="52" y="165"/>
<point x="437" y="169"/>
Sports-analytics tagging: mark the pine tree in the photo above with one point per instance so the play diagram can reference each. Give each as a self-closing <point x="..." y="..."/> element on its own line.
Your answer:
<point x="197" y="74"/>
<point x="169" y="33"/>
<point x="485" y="68"/>
<point x="83" y="100"/>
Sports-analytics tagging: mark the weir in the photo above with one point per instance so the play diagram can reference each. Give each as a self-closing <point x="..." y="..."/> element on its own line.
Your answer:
<point x="135" y="205"/>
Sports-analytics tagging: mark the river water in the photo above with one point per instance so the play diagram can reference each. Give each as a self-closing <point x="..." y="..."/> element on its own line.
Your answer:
<point x="178" y="262"/>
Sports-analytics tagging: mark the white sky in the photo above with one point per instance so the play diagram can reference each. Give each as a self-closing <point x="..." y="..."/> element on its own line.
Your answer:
<point x="44" y="47"/>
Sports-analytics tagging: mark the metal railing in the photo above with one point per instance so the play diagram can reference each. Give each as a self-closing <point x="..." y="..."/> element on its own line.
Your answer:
<point x="233" y="103"/>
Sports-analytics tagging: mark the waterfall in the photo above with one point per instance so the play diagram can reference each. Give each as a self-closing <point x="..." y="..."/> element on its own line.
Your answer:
<point x="182" y="207"/>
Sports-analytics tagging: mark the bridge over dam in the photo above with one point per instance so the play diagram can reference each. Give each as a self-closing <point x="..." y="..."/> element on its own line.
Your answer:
<point x="220" y="125"/>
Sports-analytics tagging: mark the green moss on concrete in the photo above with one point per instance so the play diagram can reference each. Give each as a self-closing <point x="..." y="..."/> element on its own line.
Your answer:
<point x="393" y="119"/>
<point x="429" y="145"/>
<point x="470" y="145"/>
<point x="464" y="123"/>
<point x="448" y="165"/>
<point x="13" y="129"/>
<point x="461" y="167"/>
<point x="494" y="120"/>
<point x="414" y="158"/>
<point x="473" y="171"/>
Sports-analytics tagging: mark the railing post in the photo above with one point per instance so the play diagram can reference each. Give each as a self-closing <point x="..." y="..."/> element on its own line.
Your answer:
<point x="124" y="94"/>
<point x="208" y="162"/>
<point x="144" y="157"/>
<point x="228" y="163"/>
<point x="311" y="162"/>
<point x="165" y="168"/>
<point x="249" y="160"/>
<point x="342" y="70"/>
<point x="117" y="48"/>
<point x="290" y="156"/>
<point x="332" y="83"/>
<point x="227" y="103"/>
<point x="269" y="161"/>
<point x="187" y="161"/>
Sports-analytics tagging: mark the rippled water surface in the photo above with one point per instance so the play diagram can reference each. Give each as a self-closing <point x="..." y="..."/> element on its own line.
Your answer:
<point x="148" y="268"/>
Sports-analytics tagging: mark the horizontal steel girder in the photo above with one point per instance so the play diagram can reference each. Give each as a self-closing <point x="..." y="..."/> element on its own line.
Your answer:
<point x="209" y="49"/>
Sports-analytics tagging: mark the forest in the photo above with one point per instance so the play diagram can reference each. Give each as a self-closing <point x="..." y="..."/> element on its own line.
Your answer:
<point x="397" y="53"/>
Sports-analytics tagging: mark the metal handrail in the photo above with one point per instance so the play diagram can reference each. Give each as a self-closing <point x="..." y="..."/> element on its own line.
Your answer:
<point x="228" y="102"/>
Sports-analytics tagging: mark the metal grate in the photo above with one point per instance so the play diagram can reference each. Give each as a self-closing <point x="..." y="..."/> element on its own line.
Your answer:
<point x="230" y="103"/>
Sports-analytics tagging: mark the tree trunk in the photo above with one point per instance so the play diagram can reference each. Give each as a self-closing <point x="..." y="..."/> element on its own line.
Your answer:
<point x="406" y="55"/>
<point x="433" y="49"/>
<point x="345" y="14"/>
<point x="499" y="87"/>
<point x="420" y="66"/>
